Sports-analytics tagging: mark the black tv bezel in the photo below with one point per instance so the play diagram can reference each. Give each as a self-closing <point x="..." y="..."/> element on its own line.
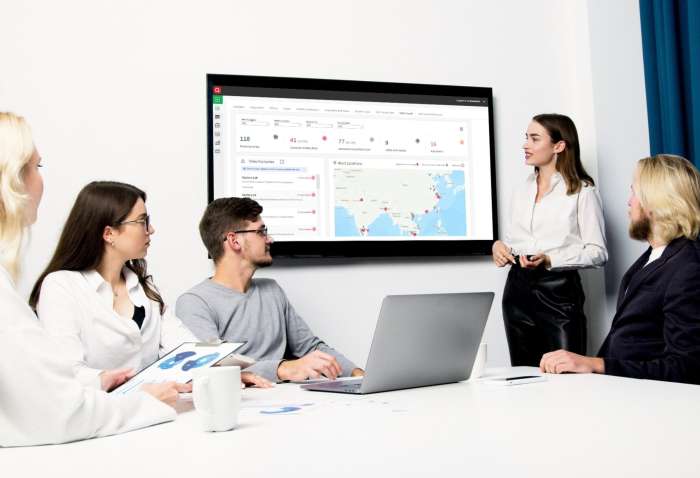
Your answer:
<point x="363" y="248"/>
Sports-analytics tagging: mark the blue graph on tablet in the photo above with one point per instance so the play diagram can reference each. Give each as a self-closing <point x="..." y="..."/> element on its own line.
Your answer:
<point x="199" y="362"/>
<point x="179" y="364"/>
<point x="172" y="361"/>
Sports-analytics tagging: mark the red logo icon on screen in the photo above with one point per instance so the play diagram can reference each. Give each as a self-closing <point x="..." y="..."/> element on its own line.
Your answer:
<point x="217" y="90"/>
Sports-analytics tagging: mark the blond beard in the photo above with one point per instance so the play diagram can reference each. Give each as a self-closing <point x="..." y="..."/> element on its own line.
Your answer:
<point x="640" y="230"/>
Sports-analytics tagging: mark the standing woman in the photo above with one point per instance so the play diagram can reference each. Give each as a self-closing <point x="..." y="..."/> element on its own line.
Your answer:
<point x="556" y="227"/>
<point x="41" y="401"/>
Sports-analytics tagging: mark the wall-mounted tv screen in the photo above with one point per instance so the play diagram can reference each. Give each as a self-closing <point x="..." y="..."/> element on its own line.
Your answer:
<point x="356" y="168"/>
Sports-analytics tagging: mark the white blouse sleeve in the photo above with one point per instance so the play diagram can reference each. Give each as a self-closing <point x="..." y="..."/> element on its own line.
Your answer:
<point x="41" y="400"/>
<point x="591" y="251"/>
<point x="508" y="226"/>
<point x="62" y="319"/>
<point x="173" y="332"/>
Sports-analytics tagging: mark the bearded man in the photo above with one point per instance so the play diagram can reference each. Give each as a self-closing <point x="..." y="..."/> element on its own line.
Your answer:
<point x="655" y="333"/>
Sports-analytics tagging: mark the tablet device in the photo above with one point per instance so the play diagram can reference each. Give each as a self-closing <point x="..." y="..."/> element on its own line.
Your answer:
<point x="178" y="364"/>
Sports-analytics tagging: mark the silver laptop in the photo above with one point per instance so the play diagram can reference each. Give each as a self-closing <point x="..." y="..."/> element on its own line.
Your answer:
<point x="420" y="340"/>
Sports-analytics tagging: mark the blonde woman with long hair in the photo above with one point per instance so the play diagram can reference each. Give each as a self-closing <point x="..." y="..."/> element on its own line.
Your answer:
<point x="42" y="401"/>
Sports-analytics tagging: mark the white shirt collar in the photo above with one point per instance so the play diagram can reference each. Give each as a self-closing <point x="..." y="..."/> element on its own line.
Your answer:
<point x="97" y="282"/>
<point x="556" y="177"/>
<point x="6" y="278"/>
<point x="656" y="252"/>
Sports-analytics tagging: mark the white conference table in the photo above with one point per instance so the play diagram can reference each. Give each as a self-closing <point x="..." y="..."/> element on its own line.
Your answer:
<point x="569" y="425"/>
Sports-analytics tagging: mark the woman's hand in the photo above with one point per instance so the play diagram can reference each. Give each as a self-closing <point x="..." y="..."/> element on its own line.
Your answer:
<point x="253" y="380"/>
<point x="167" y="392"/>
<point x="501" y="254"/>
<point x="535" y="261"/>
<point x="111" y="379"/>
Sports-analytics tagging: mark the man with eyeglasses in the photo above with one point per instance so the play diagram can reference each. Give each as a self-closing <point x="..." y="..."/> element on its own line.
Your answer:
<point x="233" y="306"/>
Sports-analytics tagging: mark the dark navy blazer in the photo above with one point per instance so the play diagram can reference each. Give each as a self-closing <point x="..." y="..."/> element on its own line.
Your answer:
<point x="656" y="330"/>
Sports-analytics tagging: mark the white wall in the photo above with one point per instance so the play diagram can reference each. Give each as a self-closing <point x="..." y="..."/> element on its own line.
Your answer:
<point x="621" y="127"/>
<point x="115" y="90"/>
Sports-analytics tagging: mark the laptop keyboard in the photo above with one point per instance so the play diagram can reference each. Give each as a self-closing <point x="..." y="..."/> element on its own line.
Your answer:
<point x="343" y="386"/>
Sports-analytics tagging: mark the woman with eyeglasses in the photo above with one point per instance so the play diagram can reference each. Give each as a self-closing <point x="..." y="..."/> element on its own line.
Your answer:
<point x="96" y="297"/>
<point x="41" y="401"/>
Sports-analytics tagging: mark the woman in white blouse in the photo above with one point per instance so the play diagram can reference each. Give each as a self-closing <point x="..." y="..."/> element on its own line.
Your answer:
<point x="556" y="227"/>
<point x="96" y="297"/>
<point x="41" y="400"/>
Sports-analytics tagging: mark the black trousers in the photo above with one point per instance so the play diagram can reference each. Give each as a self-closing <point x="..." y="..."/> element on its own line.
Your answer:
<point x="543" y="311"/>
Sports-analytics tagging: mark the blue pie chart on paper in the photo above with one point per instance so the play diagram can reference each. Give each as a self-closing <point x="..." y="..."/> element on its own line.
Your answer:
<point x="201" y="361"/>
<point x="172" y="361"/>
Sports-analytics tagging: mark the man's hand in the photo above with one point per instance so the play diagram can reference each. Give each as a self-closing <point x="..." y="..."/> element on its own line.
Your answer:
<point x="564" y="361"/>
<point x="357" y="372"/>
<point x="253" y="380"/>
<point x="167" y="392"/>
<point x="111" y="379"/>
<point x="537" y="260"/>
<point x="312" y="365"/>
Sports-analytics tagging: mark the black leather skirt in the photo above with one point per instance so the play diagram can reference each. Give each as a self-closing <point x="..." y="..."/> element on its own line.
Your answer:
<point x="543" y="311"/>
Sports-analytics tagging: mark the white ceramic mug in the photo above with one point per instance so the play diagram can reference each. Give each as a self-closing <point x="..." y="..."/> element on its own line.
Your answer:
<point x="479" y="362"/>
<point x="216" y="392"/>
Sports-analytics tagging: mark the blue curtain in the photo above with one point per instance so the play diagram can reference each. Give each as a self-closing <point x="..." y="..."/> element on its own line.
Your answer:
<point x="671" y="48"/>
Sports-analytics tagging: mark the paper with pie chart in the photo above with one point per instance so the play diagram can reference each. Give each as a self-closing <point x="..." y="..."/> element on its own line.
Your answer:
<point x="179" y="364"/>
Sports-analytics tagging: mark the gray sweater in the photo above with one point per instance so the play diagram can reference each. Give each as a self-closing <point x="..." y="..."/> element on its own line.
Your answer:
<point x="263" y="317"/>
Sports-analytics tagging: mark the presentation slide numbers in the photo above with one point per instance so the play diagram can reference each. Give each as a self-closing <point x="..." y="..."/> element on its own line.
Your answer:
<point x="282" y="133"/>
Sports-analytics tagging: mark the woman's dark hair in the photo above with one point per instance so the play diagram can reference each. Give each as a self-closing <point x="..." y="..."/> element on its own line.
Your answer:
<point x="562" y="128"/>
<point x="81" y="247"/>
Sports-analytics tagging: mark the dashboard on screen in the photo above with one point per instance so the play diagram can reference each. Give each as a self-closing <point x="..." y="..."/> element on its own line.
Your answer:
<point x="354" y="168"/>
